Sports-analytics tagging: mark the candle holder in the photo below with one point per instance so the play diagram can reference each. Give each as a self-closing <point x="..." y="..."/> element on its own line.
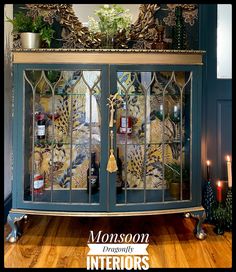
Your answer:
<point x="228" y="209"/>
<point x="219" y="218"/>
<point x="208" y="201"/>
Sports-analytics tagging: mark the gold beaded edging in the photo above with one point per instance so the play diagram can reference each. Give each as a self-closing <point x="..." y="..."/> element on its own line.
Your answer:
<point x="110" y="50"/>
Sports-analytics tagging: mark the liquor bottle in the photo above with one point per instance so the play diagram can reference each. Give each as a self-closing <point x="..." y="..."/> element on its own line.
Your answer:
<point x="38" y="183"/>
<point x="125" y="122"/>
<point x="41" y="126"/>
<point x="93" y="177"/>
<point x="119" y="181"/>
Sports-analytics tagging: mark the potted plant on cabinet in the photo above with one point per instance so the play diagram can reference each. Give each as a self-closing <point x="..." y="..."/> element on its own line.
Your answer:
<point x="173" y="178"/>
<point x="33" y="30"/>
<point x="113" y="20"/>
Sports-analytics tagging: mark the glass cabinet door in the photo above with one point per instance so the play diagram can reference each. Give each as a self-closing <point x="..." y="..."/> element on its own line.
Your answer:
<point x="153" y="136"/>
<point x="62" y="136"/>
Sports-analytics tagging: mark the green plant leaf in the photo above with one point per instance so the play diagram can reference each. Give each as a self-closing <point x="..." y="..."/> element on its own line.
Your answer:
<point x="21" y="22"/>
<point x="47" y="35"/>
<point x="24" y="23"/>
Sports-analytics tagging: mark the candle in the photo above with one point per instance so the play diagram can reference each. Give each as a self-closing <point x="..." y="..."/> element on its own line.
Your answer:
<point x="229" y="171"/>
<point x="219" y="191"/>
<point x="208" y="170"/>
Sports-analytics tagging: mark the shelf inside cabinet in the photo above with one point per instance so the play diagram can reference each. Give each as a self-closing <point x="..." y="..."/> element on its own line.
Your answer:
<point x="64" y="196"/>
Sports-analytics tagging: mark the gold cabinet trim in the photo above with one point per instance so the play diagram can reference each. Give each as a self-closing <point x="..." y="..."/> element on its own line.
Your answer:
<point x="108" y="57"/>
<point x="106" y="214"/>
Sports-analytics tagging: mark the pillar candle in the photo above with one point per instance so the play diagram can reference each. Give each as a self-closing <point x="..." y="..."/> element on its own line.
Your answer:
<point x="208" y="170"/>
<point x="219" y="191"/>
<point x="229" y="171"/>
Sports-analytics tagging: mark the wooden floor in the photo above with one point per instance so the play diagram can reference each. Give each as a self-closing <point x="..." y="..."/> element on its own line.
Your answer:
<point x="62" y="241"/>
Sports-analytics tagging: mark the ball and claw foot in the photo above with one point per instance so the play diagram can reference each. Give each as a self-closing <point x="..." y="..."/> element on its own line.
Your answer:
<point x="200" y="216"/>
<point x="201" y="235"/>
<point x="12" y="220"/>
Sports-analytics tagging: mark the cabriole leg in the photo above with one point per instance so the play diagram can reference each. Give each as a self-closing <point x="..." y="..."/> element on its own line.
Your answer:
<point x="200" y="216"/>
<point x="12" y="220"/>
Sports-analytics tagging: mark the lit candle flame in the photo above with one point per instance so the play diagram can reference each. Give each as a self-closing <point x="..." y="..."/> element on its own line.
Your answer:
<point x="219" y="184"/>
<point x="228" y="158"/>
<point x="208" y="162"/>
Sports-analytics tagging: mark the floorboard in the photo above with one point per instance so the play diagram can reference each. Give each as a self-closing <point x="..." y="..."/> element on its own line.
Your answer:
<point x="61" y="242"/>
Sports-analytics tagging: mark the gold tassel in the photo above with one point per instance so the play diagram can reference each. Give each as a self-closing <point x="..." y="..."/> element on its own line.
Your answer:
<point x="112" y="165"/>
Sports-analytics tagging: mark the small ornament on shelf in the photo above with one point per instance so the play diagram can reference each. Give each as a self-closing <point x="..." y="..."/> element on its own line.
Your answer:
<point x="157" y="36"/>
<point x="228" y="200"/>
<point x="208" y="201"/>
<point x="219" y="212"/>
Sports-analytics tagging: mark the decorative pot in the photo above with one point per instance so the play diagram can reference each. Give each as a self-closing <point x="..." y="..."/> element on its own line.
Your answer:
<point x="175" y="190"/>
<point x="30" y="40"/>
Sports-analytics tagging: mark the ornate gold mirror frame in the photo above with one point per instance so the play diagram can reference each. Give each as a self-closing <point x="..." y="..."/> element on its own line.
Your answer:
<point x="75" y="35"/>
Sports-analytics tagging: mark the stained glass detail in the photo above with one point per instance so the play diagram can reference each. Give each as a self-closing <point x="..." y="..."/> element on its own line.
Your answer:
<point x="62" y="128"/>
<point x="156" y="154"/>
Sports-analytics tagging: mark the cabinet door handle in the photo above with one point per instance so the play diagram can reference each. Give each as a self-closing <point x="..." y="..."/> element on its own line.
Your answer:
<point x="111" y="123"/>
<point x="112" y="100"/>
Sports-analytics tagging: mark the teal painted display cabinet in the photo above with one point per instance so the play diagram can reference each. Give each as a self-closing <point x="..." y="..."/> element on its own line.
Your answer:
<point x="68" y="105"/>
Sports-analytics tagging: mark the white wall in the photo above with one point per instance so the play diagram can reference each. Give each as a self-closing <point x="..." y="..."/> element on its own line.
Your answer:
<point x="8" y="11"/>
<point x="224" y="41"/>
<point x="82" y="11"/>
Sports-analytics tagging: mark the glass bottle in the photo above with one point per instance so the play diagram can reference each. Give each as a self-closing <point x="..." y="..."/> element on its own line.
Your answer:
<point x="38" y="183"/>
<point x="41" y="126"/>
<point x="93" y="180"/>
<point x="125" y="122"/>
<point x="179" y="34"/>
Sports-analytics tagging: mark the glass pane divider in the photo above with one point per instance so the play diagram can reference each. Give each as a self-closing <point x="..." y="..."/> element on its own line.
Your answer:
<point x="52" y="147"/>
<point x="90" y="129"/>
<point x="163" y="135"/>
<point x="145" y="144"/>
<point x="162" y="145"/>
<point x="53" y="133"/>
<point x="33" y="88"/>
<point x="71" y="131"/>
<point x="191" y="129"/>
<point x="181" y="144"/>
<point x="33" y="155"/>
<point x="71" y="137"/>
<point x="90" y="143"/>
<point x="126" y="135"/>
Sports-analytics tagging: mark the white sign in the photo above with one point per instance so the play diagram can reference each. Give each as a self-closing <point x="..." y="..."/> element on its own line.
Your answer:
<point x="118" y="249"/>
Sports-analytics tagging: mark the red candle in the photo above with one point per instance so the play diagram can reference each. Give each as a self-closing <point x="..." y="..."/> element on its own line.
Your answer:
<point x="219" y="191"/>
